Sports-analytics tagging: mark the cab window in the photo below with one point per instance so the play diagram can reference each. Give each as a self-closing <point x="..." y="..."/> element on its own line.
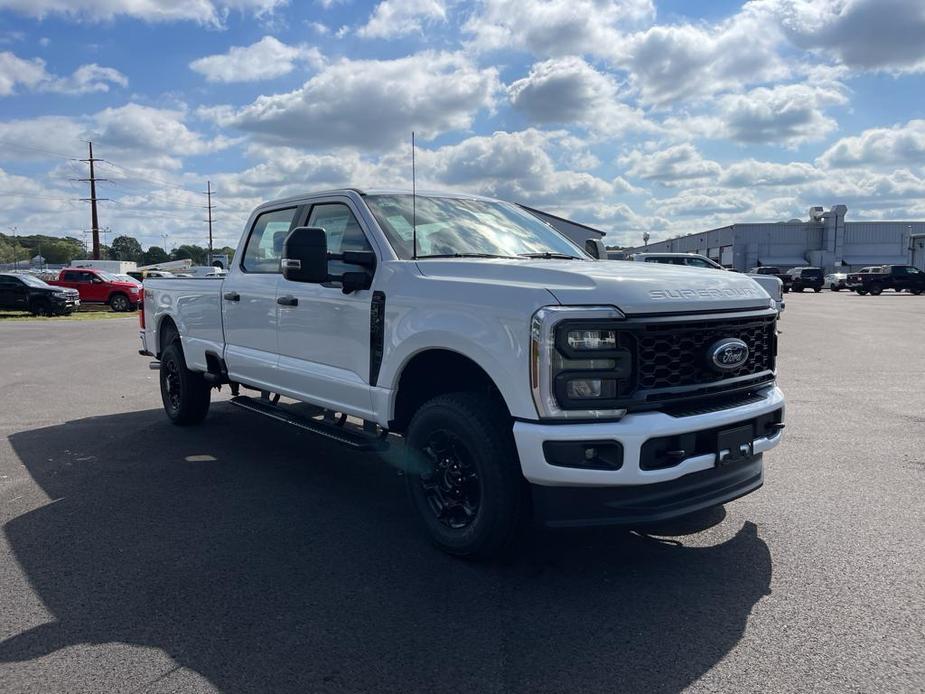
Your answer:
<point x="342" y="230"/>
<point x="265" y="243"/>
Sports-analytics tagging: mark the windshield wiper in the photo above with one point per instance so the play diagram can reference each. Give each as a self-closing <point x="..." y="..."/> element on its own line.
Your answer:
<point x="466" y="255"/>
<point x="549" y="255"/>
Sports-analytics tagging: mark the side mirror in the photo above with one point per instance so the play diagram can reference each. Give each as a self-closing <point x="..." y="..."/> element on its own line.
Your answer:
<point x="595" y="248"/>
<point x="305" y="255"/>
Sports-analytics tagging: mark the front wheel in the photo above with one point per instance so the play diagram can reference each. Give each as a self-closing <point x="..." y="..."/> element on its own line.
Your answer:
<point x="834" y="288"/>
<point x="917" y="291"/>
<point x="185" y="393"/>
<point x="463" y="476"/>
<point x="861" y="292"/>
<point x="876" y="290"/>
<point x="817" y="289"/>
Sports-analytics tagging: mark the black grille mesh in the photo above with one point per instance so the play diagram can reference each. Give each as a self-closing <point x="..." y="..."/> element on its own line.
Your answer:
<point x="672" y="355"/>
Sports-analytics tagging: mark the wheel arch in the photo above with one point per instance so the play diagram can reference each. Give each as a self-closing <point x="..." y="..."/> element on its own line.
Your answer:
<point x="167" y="332"/>
<point x="436" y="371"/>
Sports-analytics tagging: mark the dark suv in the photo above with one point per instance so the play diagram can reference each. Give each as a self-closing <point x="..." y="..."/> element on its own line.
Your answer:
<point x="29" y="293"/>
<point x="806" y="278"/>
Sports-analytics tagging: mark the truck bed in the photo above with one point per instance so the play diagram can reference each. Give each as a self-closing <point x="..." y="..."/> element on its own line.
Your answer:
<point x="195" y="304"/>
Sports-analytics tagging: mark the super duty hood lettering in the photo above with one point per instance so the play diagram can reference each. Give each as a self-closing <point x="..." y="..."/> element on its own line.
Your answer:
<point x="705" y="293"/>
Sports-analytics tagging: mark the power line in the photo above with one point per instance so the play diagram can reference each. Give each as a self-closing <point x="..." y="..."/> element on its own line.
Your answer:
<point x="17" y="145"/>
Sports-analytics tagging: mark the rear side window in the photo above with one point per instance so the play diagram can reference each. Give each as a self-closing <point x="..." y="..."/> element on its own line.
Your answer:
<point x="265" y="243"/>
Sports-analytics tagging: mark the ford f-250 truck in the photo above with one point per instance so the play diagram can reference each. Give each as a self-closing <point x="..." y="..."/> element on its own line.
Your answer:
<point x="528" y="379"/>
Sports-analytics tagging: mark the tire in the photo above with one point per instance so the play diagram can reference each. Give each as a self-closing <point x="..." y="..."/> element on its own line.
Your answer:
<point x="817" y="289"/>
<point x="876" y="290"/>
<point x="463" y="476"/>
<point x="917" y="291"/>
<point x="861" y="292"/>
<point x="834" y="288"/>
<point x="41" y="308"/>
<point x="801" y="289"/>
<point x="185" y="393"/>
<point x="119" y="303"/>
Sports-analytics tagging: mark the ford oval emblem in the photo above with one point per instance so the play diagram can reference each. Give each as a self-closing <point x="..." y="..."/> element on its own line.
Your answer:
<point x="728" y="354"/>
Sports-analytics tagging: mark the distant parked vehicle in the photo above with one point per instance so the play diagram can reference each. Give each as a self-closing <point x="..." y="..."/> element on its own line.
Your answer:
<point x="129" y="278"/>
<point x="836" y="281"/>
<point x="21" y="292"/>
<point x="895" y="277"/>
<point x="776" y="271"/>
<point x="98" y="287"/>
<point x="806" y="278"/>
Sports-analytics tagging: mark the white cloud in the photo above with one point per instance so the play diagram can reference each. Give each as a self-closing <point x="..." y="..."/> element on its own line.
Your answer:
<point x="554" y="27"/>
<point x="266" y="59"/>
<point x="900" y="144"/>
<point x="570" y="91"/>
<point x="208" y="12"/>
<point x="32" y="75"/>
<point x="668" y="63"/>
<point x="371" y="104"/>
<point x="671" y="166"/>
<point x="749" y="173"/>
<point x="864" y="34"/>
<point x="393" y="18"/>
<point x="706" y="202"/>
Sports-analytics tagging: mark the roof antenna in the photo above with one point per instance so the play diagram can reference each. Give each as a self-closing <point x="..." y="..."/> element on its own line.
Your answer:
<point x="414" y="206"/>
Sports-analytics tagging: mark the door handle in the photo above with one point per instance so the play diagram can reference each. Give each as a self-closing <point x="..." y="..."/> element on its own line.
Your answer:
<point x="287" y="301"/>
<point x="232" y="296"/>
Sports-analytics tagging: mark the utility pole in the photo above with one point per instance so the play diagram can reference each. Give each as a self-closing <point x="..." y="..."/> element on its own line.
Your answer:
<point x="209" y="208"/>
<point x="166" y="250"/>
<point x="94" y="218"/>
<point x="14" y="229"/>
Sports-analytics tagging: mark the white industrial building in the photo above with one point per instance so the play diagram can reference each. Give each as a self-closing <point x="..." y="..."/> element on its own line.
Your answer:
<point x="825" y="240"/>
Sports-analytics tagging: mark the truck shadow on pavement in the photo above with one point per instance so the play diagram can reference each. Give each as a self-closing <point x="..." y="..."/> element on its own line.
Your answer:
<point x="267" y="560"/>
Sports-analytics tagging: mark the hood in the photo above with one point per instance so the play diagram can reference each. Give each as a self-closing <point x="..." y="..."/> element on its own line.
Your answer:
<point x="127" y="285"/>
<point x="634" y="288"/>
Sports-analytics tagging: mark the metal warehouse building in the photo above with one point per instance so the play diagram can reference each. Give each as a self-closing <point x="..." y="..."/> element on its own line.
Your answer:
<point x="826" y="240"/>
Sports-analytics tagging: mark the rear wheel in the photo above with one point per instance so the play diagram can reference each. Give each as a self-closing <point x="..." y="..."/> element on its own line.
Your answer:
<point x="834" y="287"/>
<point x="185" y="393"/>
<point x="119" y="303"/>
<point x="463" y="476"/>
<point x="876" y="289"/>
<point x="861" y="292"/>
<point x="917" y="291"/>
<point x="817" y="289"/>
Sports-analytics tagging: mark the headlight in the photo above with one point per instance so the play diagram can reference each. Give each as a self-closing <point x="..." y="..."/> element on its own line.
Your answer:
<point x="59" y="295"/>
<point x="579" y="367"/>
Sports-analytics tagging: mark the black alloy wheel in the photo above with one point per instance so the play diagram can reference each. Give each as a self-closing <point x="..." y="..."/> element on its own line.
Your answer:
<point x="451" y="485"/>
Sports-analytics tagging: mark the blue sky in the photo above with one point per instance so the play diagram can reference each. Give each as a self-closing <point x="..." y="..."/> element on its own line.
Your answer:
<point x="664" y="116"/>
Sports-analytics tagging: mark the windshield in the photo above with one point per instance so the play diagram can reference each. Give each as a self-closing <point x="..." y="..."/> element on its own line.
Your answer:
<point x="461" y="227"/>
<point x="127" y="278"/>
<point x="33" y="281"/>
<point x="107" y="276"/>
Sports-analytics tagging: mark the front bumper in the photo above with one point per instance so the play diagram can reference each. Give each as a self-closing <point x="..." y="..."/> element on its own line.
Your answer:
<point x="650" y="494"/>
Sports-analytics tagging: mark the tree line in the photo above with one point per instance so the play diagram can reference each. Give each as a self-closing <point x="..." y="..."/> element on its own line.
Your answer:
<point x="61" y="251"/>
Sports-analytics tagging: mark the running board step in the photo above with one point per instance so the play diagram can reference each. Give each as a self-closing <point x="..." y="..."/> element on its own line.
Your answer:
<point x="287" y="414"/>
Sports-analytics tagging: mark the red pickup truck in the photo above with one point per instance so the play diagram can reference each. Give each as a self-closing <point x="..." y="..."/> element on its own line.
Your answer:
<point x="98" y="287"/>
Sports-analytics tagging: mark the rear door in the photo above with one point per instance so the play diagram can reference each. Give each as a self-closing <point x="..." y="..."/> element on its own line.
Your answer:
<point x="324" y="339"/>
<point x="249" y="309"/>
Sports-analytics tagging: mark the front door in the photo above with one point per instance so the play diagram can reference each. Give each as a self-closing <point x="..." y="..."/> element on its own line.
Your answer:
<point x="13" y="293"/>
<point x="324" y="338"/>
<point x="249" y="301"/>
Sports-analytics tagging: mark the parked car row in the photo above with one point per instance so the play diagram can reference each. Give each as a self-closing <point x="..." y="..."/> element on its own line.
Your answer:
<point x="875" y="279"/>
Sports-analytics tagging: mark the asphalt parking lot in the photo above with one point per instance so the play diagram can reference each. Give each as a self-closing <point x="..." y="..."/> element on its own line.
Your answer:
<point x="240" y="556"/>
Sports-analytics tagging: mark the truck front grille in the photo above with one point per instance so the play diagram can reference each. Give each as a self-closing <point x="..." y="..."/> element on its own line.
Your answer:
<point x="672" y="355"/>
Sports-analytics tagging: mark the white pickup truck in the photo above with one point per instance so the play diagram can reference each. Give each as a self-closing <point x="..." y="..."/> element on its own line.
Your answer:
<point x="529" y="380"/>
